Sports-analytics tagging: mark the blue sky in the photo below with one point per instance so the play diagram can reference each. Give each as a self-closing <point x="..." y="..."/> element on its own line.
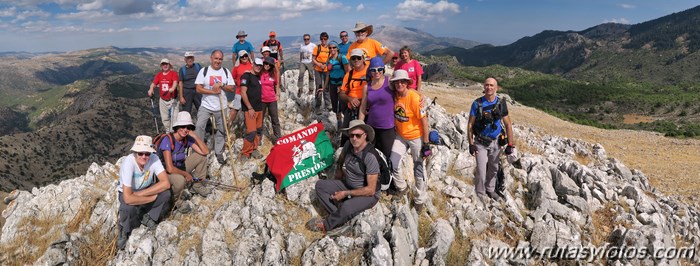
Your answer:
<point x="64" y="25"/>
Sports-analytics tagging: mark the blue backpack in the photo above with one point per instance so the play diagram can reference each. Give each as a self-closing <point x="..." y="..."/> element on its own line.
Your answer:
<point x="183" y="70"/>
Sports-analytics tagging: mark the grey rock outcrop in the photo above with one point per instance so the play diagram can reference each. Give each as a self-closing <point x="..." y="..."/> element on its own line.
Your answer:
<point x="552" y="203"/>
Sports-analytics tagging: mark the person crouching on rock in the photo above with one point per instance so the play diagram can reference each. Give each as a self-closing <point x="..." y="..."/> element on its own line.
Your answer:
<point x="353" y="191"/>
<point x="144" y="189"/>
<point x="181" y="168"/>
<point x="484" y="127"/>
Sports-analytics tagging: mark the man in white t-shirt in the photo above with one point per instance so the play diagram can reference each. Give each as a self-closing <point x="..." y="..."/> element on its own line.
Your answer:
<point x="211" y="83"/>
<point x="306" y="52"/>
<point x="144" y="189"/>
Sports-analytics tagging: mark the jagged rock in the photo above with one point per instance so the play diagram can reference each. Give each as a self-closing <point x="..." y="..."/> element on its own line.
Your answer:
<point x="381" y="251"/>
<point x="563" y="185"/>
<point x="441" y="238"/>
<point x="321" y="252"/>
<point x="542" y="238"/>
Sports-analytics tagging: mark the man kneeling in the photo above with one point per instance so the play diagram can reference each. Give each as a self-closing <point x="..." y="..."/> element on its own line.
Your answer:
<point x="354" y="190"/>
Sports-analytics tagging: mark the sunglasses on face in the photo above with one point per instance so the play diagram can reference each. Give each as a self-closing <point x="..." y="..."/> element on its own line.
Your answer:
<point x="361" y="31"/>
<point x="266" y="64"/>
<point x="324" y="39"/>
<point x="343" y="36"/>
<point x="333" y="47"/>
<point x="356" y="58"/>
<point x="245" y="56"/>
<point x="143" y="154"/>
<point x="354" y="136"/>
<point x="376" y="69"/>
<point x="402" y="81"/>
<point x="306" y="39"/>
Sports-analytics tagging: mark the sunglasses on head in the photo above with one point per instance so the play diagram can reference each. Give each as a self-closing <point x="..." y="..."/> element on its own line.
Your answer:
<point x="141" y="154"/>
<point x="376" y="69"/>
<point x="355" y="58"/>
<point x="353" y="135"/>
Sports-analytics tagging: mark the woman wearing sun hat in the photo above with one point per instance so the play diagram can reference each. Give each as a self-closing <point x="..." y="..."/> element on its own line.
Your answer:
<point x="411" y="133"/>
<point x="378" y="106"/>
<point x="181" y="168"/>
<point x="372" y="47"/>
<point x="144" y="189"/>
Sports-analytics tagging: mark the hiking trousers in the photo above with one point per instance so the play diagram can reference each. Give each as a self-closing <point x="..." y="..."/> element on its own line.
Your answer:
<point x="338" y="105"/>
<point x="345" y="210"/>
<point x="302" y="68"/>
<point x="168" y="112"/>
<point x="219" y="137"/>
<point x="486" y="167"/>
<point x="253" y="126"/>
<point x="195" y="164"/>
<point x="270" y="109"/>
<point x="130" y="215"/>
<point x="322" y="97"/>
<point x="192" y="98"/>
<point x="398" y="150"/>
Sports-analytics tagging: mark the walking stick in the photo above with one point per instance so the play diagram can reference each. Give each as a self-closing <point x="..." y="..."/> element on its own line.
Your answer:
<point x="228" y="140"/>
<point x="155" y="120"/>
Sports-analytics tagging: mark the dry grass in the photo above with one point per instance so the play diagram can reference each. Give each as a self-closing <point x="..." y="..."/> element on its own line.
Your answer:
<point x="38" y="232"/>
<point x="582" y="159"/>
<point x="604" y="223"/>
<point x="423" y="230"/>
<point x="459" y="250"/>
<point x="351" y="258"/>
<point x="671" y="171"/>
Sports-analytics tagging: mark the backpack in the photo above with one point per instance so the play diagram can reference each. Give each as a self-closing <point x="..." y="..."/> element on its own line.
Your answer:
<point x="267" y="43"/>
<point x="350" y="79"/>
<point x="384" y="178"/>
<point x="498" y="111"/>
<point x="207" y="69"/>
<point x="159" y="138"/>
<point x="183" y="70"/>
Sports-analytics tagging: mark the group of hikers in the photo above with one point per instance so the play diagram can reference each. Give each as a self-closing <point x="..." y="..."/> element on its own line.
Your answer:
<point x="374" y="93"/>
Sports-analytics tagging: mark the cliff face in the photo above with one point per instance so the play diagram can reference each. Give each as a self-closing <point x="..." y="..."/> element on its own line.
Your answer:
<point x="560" y="193"/>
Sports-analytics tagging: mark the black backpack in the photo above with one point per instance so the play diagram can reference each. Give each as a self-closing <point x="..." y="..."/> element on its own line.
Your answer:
<point x="385" y="178"/>
<point x="159" y="138"/>
<point x="498" y="111"/>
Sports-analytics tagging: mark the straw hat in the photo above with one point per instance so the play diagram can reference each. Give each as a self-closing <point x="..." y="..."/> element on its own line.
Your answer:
<point x="359" y="123"/>
<point x="361" y="25"/>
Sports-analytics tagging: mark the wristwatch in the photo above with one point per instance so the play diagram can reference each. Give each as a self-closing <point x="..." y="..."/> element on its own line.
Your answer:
<point x="348" y="193"/>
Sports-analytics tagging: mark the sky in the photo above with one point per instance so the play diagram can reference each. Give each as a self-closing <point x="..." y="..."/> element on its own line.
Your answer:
<point x="68" y="25"/>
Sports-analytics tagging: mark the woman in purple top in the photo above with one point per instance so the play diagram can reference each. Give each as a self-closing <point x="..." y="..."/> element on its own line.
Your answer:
<point x="377" y="106"/>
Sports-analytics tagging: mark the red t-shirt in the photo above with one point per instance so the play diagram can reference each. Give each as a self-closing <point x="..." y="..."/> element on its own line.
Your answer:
<point x="414" y="71"/>
<point x="238" y="73"/>
<point x="165" y="82"/>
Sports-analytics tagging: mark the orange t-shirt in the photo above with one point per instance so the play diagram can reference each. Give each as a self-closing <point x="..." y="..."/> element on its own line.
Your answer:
<point x="408" y="115"/>
<point x="321" y="55"/>
<point x="372" y="46"/>
<point x="356" y="84"/>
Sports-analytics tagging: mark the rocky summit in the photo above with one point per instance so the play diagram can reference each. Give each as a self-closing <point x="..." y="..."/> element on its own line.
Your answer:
<point x="566" y="202"/>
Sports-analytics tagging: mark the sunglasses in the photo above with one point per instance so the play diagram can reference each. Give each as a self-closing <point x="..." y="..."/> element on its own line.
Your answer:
<point x="356" y="58"/>
<point x="361" y="31"/>
<point x="245" y="56"/>
<point x="143" y="154"/>
<point x="306" y="39"/>
<point x="376" y="69"/>
<point x="266" y="64"/>
<point x="353" y="136"/>
<point x="333" y="47"/>
<point x="324" y="39"/>
<point x="343" y="36"/>
<point x="402" y="81"/>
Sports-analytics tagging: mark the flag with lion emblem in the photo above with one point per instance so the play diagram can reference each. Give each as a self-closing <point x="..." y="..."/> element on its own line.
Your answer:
<point x="300" y="155"/>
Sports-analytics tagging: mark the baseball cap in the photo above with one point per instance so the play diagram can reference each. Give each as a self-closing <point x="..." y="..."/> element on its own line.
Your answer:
<point x="265" y="49"/>
<point x="258" y="61"/>
<point x="188" y="54"/>
<point x="357" y="52"/>
<point x="272" y="33"/>
<point x="165" y="61"/>
<point x="242" y="53"/>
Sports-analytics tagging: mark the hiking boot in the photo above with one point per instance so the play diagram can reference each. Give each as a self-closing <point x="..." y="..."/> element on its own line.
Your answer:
<point x="123" y="238"/>
<point x="339" y="231"/>
<point x="256" y="154"/>
<point x="185" y="195"/>
<point x="494" y="196"/>
<point x="200" y="189"/>
<point x="316" y="224"/>
<point x="148" y="222"/>
<point x="183" y="206"/>
<point x="220" y="159"/>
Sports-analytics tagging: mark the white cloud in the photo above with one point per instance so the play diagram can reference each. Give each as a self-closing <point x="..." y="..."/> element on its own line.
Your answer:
<point x="91" y="15"/>
<point x="8" y="12"/>
<point x="626" y="6"/>
<point x="422" y="10"/>
<point x="360" y="7"/>
<point x="617" y="20"/>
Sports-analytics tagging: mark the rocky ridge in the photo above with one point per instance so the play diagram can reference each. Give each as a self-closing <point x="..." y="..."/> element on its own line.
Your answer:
<point x="552" y="201"/>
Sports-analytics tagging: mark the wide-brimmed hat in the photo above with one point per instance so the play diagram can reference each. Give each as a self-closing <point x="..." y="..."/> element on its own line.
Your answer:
<point x="359" y="123"/>
<point x="165" y="61"/>
<point x="183" y="119"/>
<point x="361" y="25"/>
<point x="401" y="74"/>
<point x="241" y="33"/>
<point x="143" y="143"/>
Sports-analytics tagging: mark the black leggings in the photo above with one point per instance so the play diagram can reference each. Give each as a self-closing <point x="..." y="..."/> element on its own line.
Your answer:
<point x="384" y="140"/>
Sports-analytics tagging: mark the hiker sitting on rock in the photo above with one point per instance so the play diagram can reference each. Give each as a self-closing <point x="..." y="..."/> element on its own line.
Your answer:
<point x="484" y="127"/>
<point x="180" y="167"/>
<point x="353" y="191"/>
<point x="142" y="197"/>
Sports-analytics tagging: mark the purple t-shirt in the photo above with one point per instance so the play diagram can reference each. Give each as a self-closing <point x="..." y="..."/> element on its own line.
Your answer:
<point x="380" y="103"/>
<point x="178" y="155"/>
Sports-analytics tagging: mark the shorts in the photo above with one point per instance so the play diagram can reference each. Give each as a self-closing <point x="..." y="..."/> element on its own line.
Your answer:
<point x="236" y="103"/>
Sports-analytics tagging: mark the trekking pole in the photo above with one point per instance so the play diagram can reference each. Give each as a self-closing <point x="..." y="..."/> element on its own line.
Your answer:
<point x="155" y="119"/>
<point x="219" y="185"/>
<point x="228" y="140"/>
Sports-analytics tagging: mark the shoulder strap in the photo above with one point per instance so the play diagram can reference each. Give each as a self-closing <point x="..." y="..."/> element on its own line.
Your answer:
<point x="205" y="71"/>
<point x="172" y="143"/>
<point x="183" y="69"/>
<point x="197" y="66"/>
<point x="480" y="107"/>
<point x="347" y="85"/>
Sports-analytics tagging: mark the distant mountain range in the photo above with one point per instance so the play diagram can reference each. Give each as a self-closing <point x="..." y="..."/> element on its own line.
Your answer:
<point x="659" y="51"/>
